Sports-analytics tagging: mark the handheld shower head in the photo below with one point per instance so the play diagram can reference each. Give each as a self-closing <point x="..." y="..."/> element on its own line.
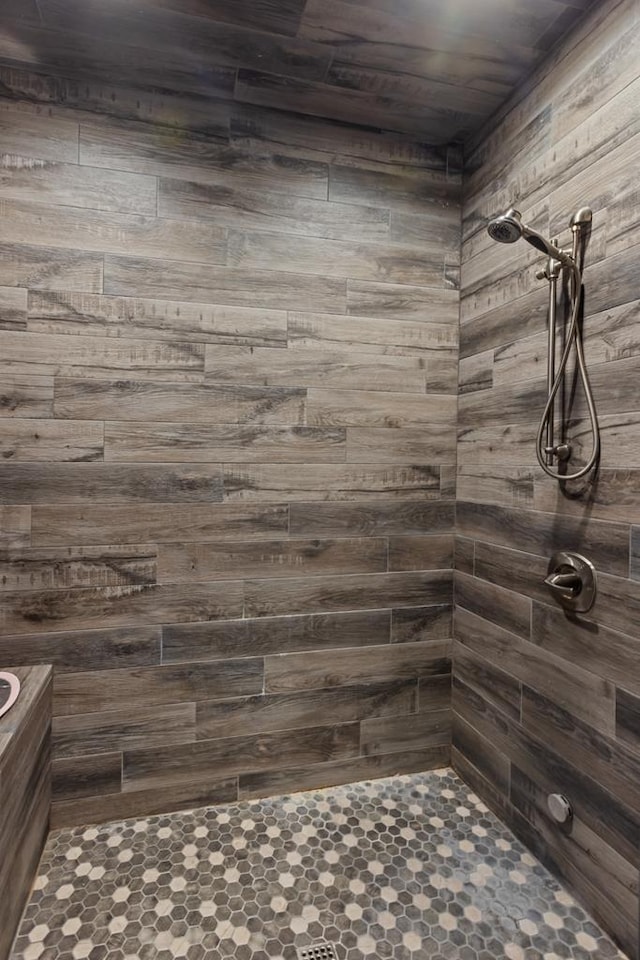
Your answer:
<point x="508" y="227"/>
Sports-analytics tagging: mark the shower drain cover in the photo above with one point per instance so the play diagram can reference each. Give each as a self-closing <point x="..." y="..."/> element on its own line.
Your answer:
<point x="321" y="950"/>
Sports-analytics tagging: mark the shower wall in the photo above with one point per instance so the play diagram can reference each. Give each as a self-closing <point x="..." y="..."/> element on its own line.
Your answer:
<point x="544" y="703"/>
<point x="228" y="352"/>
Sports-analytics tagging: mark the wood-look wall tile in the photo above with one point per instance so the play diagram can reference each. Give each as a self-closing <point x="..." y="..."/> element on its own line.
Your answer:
<point x="76" y="651"/>
<point x="497" y="447"/>
<point x="48" y="268"/>
<point x="127" y="728"/>
<point x="400" y="444"/>
<point x="334" y="482"/>
<point x="232" y="286"/>
<point x="504" y="607"/>
<point x="289" y="711"/>
<point x="609" y="761"/>
<point x="478" y="670"/>
<point x="93" y="99"/>
<point x="586" y="696"/>
<point x="308" y="367"/>
<point x="135" y="148"/>
<point x="481" y="753"/>
<point x="160" y="767"/>
<point x="412" y="624"/>
<point x="313" y="777"/>
<point x="333" y="258"/>
<point x="123" y="523"/>
<point x="41" y="568"/>
<point x="464" y="551"/>
<point x="51" y="440"/>
<point x="272" y="212"/>
<point x="375" y="518"/>
<point x="613" y="494"/>
<point x="13" y="308"/>
<point x="75" y="777"/>
<point x="105" y="232"/>
<point x="448" y="481"/>
<point x="86" y="608"/>
<point x="505" y="485"/>
<point x="46" y="138"/>
<point x="26" y="799"/>
<point x="320" y="100"/>
<point x="108" y="690"/>
<point x="434" y="693"/>
<point x="595" y="646"/>
<point x="512" y="569"/>
<point x="265" y="598"/>
<point x="144" y="803"/>
<point x="185" y="402"/>
<point x="23" y="396"/>
<point x="180" y="562"/>
<point x="71" y="186"/>
<point x="527" y="315"/>
<point x="618" y="603"/>
<point x="377" y="335"/>
<point x="442" y="227"/>
<point x="99" y="315"/>
<point x="477" y="372"/>
<point x="545" y="533"/>
<point x="63" y="54"/>
<point x="51" y="483"/>
<point x="319" y="669"/>
<point x="373" y="408"/>
<point x="259" y="129"/>
<point x="391" y="301"/>
<point x="97" y="357"/>
<point x="628" y="720"/>
<point x="15" y="526"/>
<point x="427" y="189"/>
<point x="420" y="553"/>
<point x="582" y="858"/>
<point x="442" y="374"/>
<point x="566" y="134"/>
<point x="394" y="734"/>
<point x="274" y="635"/>
<point x="621" y="825"/>
<point x="180" y="442"/>
<point x="487" y="407"/>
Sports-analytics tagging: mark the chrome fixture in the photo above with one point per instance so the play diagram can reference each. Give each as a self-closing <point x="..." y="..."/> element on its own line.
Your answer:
<point x="559" y="808"/>
<point x="507" y="228"/>
<point x="571" y="580"/>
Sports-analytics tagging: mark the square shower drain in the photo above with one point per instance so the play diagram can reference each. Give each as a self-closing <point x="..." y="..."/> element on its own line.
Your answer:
<point x="317" y="951"/>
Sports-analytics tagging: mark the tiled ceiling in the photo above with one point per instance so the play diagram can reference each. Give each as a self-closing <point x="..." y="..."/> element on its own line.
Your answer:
<point x="434" y="69"/>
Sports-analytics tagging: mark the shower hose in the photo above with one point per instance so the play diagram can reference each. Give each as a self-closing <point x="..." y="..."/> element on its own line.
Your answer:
<point x="574" y="338"/>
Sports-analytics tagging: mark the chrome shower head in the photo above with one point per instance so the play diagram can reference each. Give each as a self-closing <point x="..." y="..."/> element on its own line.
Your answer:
<point x="508" y="227"/>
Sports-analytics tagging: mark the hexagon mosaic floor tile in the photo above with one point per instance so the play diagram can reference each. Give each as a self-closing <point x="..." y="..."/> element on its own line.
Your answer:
<point x="406" y="868"/>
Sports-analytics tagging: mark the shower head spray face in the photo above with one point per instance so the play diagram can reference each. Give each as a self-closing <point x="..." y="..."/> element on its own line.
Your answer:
<point x="506" y="228"/>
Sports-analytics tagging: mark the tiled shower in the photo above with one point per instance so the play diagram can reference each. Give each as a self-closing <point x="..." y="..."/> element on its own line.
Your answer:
<point x="273" y="531"/>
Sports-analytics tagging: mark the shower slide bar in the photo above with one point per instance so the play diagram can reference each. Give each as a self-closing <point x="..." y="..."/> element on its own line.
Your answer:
<point x="507" y="228"/>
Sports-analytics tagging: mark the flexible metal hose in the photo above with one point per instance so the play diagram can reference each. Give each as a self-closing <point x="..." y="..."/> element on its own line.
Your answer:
<point x="574" y="338"/>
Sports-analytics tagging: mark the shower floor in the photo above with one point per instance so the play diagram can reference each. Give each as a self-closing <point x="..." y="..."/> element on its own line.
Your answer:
<point x="408" y="867"/>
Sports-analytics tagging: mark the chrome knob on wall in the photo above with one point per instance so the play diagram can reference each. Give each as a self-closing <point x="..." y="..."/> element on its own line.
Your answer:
<point x="571" y="580"/>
